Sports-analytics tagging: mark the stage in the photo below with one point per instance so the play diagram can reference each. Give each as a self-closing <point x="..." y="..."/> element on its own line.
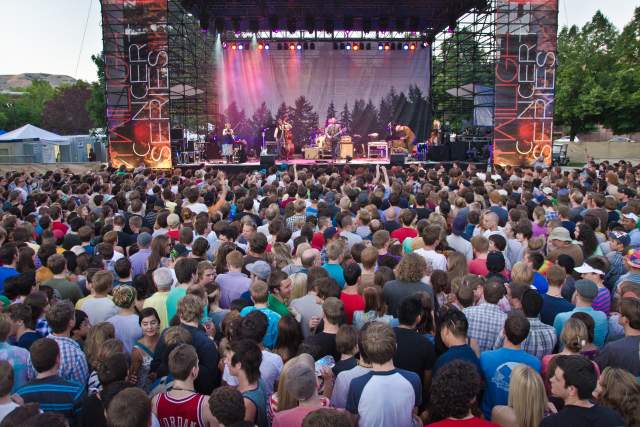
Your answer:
<point x="254" y="164"/>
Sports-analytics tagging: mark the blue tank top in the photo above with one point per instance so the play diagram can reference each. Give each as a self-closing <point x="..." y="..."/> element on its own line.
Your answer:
<point x="259" y="398"/>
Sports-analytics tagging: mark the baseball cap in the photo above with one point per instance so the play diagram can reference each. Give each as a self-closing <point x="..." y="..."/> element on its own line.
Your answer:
<point x="173" y="220"/>
<point x="587" y="289"/>
<point x="563" y="192"/>
<point x="301" y="377"/>
<point x="560" y="233"/>
<point x="621" y="237"/>
<point x="260" y="269"/>
<point x="547" y="190"/>
<point x="330" y="232"/>
<point x="634" y="258"/>
<point x="144" y="239"/>
<point x="627" y="191"/>
<point x="631" y="216"/>
<point x="586" y="268"/>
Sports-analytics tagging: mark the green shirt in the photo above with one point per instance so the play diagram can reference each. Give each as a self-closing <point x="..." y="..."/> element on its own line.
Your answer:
<point x="278" y="306"/>
<point x="174" y="296"/>
<point x="68" y="290"/>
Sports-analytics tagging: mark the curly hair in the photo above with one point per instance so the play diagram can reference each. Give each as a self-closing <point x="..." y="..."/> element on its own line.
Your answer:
<point x="455" y="386"/>
<point x="621" y="392"/>
<point x="411" y="268"/>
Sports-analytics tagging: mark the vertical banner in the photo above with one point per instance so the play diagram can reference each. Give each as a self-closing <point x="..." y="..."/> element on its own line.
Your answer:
<point x="137" y="79"/>
<point x="526" y="32"/>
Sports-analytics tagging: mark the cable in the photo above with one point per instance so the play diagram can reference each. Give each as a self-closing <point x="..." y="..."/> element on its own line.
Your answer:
<point x="84" y="33"/>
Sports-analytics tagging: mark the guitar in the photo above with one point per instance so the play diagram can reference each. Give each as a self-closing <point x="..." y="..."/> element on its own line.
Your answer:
<point x="289" y="148"/>
<point x="335" y="137"/>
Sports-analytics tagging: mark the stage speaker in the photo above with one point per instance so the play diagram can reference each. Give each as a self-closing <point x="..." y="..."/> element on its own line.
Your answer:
<point x="267" y="160"/>
<point x="398" y="159"/>
<point x="438" y="153"/>
<point x="312" y="153"/>
<point x="346" y="150"/>
<point x="458" y="151"/>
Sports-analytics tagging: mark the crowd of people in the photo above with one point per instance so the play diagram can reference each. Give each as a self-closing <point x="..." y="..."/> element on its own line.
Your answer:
<point x="321" y="297"/>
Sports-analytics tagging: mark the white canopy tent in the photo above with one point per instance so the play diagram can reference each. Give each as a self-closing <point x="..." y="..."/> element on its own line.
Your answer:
<point x="32" y="144"/>
<point x="31" y="133"/>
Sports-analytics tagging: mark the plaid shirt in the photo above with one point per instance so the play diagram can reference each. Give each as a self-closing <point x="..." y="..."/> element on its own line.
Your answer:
<point x="616" y="269"/>
<point x="541" y="340"/>
<point x="293" y="219"/>
<point x="486" y="322"/>
<point x="73" y="362"/>
<point x="42" y="327"/>
<point x="550" y="215"/>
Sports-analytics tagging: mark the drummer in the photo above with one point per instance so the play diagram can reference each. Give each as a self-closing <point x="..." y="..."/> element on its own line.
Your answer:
<point x="227" y="142"/>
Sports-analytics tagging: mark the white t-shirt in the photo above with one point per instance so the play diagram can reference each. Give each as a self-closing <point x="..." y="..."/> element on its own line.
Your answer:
<point x="269" y="371"/>
<point x="6" y="408"/>
<point x="438" y="261"/>
<point x="196" y="208"/>
<point x="99" y="309"/>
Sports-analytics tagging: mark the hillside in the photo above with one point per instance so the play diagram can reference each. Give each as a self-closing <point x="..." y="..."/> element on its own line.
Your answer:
<point x="15" y="81"/>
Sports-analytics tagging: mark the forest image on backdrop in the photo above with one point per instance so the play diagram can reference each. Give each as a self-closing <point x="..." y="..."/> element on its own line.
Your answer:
<point x="362" y="117"/>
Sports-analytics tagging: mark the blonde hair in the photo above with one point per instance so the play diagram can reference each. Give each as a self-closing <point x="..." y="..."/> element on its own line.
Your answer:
<point x="621" y="392"/>
<point x="527" y="396"/>
<point x="456" y="265"/>
<point x="522" y="273"/>
<point x="299" y="282"/>
<point x="286" y="399"/>
<point x="96" y="337"/>
<point x="281" y="255"/>
<point x="574" y="335"/>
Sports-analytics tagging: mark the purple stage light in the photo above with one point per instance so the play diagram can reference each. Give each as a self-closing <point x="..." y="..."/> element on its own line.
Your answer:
<point x="266" y="46"/>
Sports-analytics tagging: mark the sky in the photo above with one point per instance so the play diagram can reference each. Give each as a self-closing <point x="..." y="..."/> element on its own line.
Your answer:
<point x="50" y="36"/>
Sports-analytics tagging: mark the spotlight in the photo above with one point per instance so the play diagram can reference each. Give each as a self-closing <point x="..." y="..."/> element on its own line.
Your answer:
<point x="380" y="46"/>
<point x="233" y="46"/>
<point x="405" y="46"/>
<point x="425" y="45"/>
<point x="299" y="46"/>
<point x="224" y="45"/>
<point x="412" y="46"/>
<point x="355" y="46"/>
<point x="240" y="46"/>
<point x="347" y="46"/>
<point x="386" y="46"/>
<point x="292" y="46"/>
<point x="260" y="46"/>
<point x="266" y="46"/>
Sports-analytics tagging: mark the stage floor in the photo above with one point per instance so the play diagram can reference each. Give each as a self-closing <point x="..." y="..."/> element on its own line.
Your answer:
<point x="254" y="164"/>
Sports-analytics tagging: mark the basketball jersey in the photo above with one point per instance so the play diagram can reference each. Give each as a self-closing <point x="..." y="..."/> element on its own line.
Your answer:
<point x="185" y="412"/>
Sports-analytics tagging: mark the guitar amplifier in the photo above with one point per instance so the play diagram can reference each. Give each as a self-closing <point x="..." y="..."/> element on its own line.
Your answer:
<point x="346" y="149"/>
<point x="311" y="153"/>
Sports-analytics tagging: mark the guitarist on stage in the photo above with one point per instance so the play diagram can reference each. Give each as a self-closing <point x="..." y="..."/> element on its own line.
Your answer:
<point x="332" y="134"/>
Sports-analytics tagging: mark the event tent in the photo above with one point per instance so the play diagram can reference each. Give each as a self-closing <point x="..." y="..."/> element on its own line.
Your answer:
<point x="31" y="133"/>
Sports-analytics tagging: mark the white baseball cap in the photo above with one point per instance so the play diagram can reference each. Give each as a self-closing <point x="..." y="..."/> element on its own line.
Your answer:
<point x="586" y="268"/>
<point x="631" y="216"/>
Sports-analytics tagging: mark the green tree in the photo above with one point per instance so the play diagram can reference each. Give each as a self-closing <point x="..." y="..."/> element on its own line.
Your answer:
<point x="304" y="120"/>
<point x="584" y="74"/>
<point x="345" y="116"/>
<point x="261" y="119"/>
<point x="623" y="95"/>
<point x="331" y="111"/>
<point x="97" y="104"/>
<point x="17" y="111"/>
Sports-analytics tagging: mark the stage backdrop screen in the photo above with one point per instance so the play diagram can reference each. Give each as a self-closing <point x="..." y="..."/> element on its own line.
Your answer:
<point x="526" y="32"/>
<point x="364" y="89"/>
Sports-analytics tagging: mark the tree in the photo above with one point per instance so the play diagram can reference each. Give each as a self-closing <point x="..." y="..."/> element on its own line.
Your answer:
<point x="304" y="120"/>
<point x="66" y="113"/>
<point x="385" y="111"/>
<point x="97" y="104"/>
<point x="331" y="111"/>
<point x="261" y="119"/>
<point x="623" y="96"/>
<point x="283" y="110"/>
<point x="583" y="76"/>
<point x="17" y="111"/>
<point x="345" y="117"/>
<point x="237" y="119"/>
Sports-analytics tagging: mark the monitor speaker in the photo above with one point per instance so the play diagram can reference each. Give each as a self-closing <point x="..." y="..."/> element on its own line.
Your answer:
<point x="458" y="151"/>
<point x="267" y="160"/>
<point x="398" y="159"/>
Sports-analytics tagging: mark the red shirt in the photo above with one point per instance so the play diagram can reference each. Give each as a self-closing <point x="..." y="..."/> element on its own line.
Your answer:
<point x="404" y="232"/>
<point x="471" y="422"/>
<point x="352" y="302"/>
<point x="174" y="234"/>
<point x="478" y="267"/>
<point x="57" y="225"/>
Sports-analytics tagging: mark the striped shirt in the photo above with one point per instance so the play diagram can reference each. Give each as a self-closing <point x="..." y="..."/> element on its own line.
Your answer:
<point x="602" y="302"/>
<point x="55" y="394"/>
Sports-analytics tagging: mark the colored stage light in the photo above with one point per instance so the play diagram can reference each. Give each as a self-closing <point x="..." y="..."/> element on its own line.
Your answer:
<point x="299" y="46"/>
<point x="355" y="46"/>
<point x="233" y="47"/>
<point x="405" y="46"/>
<point x="425" y="45"/>
<point x="380" y="46"/>
<point x="347" y="46"/>
<point x="240" y="46"/>
<point x="224" y="45"/>
<point x="292" y="46"/>
<point x="412" y="46"/>
<point x="266" y="46"/>
<point x="387" y="46"/>
<point x="260" y="46"/>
